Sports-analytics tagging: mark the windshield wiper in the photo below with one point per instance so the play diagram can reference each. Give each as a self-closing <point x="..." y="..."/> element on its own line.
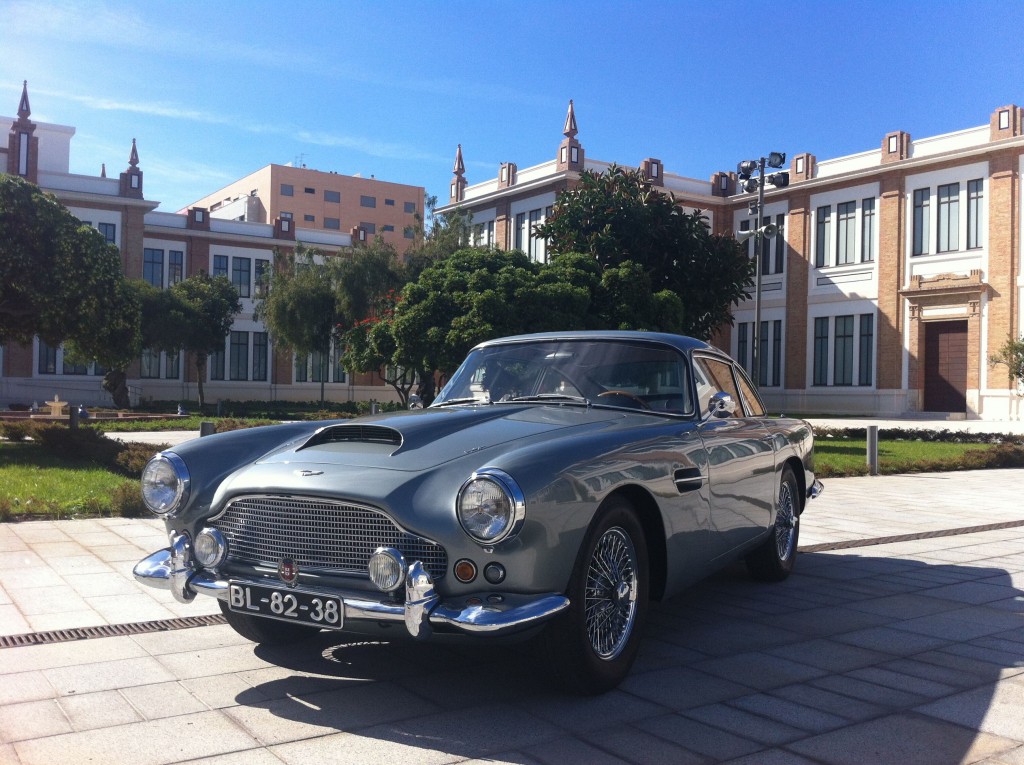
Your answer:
<point x="551" y="397"/>
<point x="467" y="400"/>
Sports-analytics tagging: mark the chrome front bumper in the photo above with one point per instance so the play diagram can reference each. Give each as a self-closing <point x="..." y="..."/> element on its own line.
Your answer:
<point x="172" y="569"/>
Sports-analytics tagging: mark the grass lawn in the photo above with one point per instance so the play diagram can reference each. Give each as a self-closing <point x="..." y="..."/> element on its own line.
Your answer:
<point x="848" y="456"/>
<point x="34" y="482"/>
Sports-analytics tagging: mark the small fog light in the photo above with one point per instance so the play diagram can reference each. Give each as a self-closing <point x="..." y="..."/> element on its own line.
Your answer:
<point x="387" y="569"/>
<point x="210" y="548"/>
<point x="494" y="573"/>
<point x="465" y="570"/>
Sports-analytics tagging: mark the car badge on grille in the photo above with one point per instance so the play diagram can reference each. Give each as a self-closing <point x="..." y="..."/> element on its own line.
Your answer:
<point x="288" y="571"/>
<point x="307" y="473"/>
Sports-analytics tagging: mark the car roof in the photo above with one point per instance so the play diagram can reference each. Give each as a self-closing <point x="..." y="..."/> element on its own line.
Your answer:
<point x="680" y="342"/>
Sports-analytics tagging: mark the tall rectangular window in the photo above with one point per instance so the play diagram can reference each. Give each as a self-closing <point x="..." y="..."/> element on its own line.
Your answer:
<point x="867" y="230"/>
<point x="175" y="267"/>
<point x="922" y="199"/>
<point x="239" y="349"/>
<point x="240" y="273"/>
<point x="742" y="351"/>
<point x="846" y="219"/>
<point x="319" y="367"/>
<point x="261" y="276"/>
<point x="975" y="195"/>
<point x="520" y="230"/>
<point x="777" y="352"/>
<point x="948" y="217"/>
<point x="47" y="359"/>
<point x="259" y="355"/>
<point x="762" y="355"/>
<point x="153" y="266"/>
<point x="150" y="367"/>
<point x="745" y="226"/>
<point x="220" y="265"/>
<point x="842" y="363"/>
<point x="215" y="363"/>
<point x="823" y="243"/>
<point x="535" y="241"/>
<point x="866" y="369"/>
<point x="821" y="350"/>
<point x="300" y="369"/>
<point x="780" y="244"/>
<point x="172" y="369"/>
<point x="109" y="231"/>
<point x="766" y="251"/>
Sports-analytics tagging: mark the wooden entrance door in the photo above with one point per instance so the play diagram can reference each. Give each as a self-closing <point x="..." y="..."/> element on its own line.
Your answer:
<point x="945" y="366"/>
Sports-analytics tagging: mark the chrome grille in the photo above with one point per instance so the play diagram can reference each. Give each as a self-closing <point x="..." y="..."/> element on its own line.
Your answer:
<point x="318" y="534"/>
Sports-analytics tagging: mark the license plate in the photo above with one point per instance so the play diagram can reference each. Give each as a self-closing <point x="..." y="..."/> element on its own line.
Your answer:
<point x="314" y="609"/>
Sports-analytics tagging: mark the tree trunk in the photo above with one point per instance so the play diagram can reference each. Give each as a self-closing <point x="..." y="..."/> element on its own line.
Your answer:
<point x="427" y="390"/>
<point x="200" y="376"/>
<point x="115" y="383"/>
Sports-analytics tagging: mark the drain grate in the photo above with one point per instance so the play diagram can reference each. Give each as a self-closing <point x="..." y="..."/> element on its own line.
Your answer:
<point x="825" y="546"/>
<point x="108" y="630"/>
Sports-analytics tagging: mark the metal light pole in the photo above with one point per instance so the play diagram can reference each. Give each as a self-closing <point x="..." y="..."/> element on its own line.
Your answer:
<point x="761" y="230"/>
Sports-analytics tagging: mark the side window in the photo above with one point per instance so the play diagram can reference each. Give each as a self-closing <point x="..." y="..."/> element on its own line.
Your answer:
<point x="714" y="375"/>
<point x="751" y="401"/>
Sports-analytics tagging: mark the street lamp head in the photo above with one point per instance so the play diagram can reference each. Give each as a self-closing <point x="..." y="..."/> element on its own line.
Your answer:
<point x="776" y="159"/>
<point x="746" y="168"/>
<point x="779" y="180"/>
<point x="751" y="185"/>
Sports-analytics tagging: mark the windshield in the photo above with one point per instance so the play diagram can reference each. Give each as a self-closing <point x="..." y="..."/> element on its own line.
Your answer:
<point x="632" y="375"/>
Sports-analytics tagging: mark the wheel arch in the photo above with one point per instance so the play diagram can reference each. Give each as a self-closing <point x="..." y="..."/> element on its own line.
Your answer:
<point x="794" y="464"/>
<point x="649" y="515"/>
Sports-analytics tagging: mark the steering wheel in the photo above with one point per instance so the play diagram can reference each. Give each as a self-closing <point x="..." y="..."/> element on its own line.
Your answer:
<point x="631" y="396"/>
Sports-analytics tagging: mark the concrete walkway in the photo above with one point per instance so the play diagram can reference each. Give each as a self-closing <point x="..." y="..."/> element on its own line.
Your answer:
<point x="910" y="651"/>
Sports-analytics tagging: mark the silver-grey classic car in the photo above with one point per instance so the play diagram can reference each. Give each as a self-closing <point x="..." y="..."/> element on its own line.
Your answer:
<point x="557" y="483"/>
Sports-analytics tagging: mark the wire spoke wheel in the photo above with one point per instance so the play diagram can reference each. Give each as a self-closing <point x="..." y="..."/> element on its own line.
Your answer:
<point x="611" y="593"/>
<point x="785" y="522"/>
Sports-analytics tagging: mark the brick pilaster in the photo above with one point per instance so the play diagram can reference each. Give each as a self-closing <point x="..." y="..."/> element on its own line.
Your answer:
<point x="891" y="259"/>
<point x="798" y="239"/>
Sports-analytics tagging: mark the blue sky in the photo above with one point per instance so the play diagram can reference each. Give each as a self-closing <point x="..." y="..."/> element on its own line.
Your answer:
<point x="214" y="91"/>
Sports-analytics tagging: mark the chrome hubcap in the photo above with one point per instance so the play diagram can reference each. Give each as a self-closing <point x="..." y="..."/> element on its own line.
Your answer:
<point x="610" y="600"/>
<point x="786" y="523"/>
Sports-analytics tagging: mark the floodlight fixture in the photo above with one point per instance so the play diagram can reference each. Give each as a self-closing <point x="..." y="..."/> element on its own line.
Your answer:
<point x="776" y="159"/>
<point x="779" y="180"/>
<point x="746" y="168"/>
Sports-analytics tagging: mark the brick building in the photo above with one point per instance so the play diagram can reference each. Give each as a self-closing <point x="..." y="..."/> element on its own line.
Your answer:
<point x="895" y="275"/>
<point x="163" y="248"/>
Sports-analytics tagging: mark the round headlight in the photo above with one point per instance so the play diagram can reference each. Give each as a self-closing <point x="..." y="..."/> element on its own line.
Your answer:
<point x="491" y="507"/>
<point x="165" y="483"/>
<point x="210" y="548"/>
<point x="387" y="569"/>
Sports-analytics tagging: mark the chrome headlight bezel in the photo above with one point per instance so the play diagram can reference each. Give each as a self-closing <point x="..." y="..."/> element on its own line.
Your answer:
<point x="166" y="484"/>
<point x="201" y="551"/>
<point x="489" y="525"/>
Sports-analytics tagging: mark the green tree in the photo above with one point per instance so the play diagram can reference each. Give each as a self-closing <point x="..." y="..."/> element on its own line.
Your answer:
<point x="60" y="280"/>
<point x="201" y="311"/>
<point x="625" y="223"/>
<point x="299" y="306"/>
<point x="1011" y="355"/>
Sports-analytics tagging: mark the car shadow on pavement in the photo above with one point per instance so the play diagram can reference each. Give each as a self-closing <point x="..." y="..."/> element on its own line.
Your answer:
<point x="855" y="658"/>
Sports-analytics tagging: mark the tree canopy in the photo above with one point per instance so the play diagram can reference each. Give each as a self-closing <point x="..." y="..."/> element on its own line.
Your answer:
<point x="625" y="223"/>
<point x="61" y="280"/>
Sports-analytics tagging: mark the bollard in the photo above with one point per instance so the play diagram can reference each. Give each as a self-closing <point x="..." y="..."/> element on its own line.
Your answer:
<point x="872" y="450"/>
<point x="207" y="429"/>
<point x="73" y="415"/>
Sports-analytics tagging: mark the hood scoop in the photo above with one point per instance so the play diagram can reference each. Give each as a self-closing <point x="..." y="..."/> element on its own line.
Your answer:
<point x="358" y="434"/>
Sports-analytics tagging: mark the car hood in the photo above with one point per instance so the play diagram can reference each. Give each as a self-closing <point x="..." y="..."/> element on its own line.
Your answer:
<point x="419" y="441"/>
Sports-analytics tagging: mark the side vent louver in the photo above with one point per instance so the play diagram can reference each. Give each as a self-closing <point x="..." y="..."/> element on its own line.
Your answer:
<point x="363" y="434"/>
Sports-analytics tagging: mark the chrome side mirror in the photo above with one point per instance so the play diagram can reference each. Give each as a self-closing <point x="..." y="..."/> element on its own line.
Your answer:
<point x="415" y="402"/>
<point x="722" y="404"/>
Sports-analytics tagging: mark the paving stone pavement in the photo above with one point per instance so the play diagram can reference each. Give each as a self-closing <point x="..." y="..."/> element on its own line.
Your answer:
<point x="910" y="651"/>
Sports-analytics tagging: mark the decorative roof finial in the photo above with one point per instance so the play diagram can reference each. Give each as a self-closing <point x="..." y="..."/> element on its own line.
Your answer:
<point x="103" y="170"/>
<point x="133" y="160"/>
<point x="23" y="107"/>
<point x="570" y="130"/>
<point x="460" y="167"/>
